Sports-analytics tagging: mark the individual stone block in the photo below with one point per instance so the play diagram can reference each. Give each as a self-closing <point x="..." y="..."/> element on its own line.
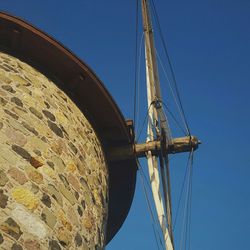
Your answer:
<point x="53" y="245"/>
<point x="3" y="178"/>
<point x="11" y="228"/>
<point x="17" y="175"/>
<point x="46" y="200"/>
<point x="48" y="217"/>
<point x="3" y="199"/>
<point x="25" y="197"/>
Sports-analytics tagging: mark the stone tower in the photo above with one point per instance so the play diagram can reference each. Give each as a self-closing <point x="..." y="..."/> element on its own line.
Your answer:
<point x="59" y="186"/>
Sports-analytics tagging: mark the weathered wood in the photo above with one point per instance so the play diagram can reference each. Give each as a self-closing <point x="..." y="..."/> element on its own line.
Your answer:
<point x="179" y="145"/>
<point x="183" y="144"/>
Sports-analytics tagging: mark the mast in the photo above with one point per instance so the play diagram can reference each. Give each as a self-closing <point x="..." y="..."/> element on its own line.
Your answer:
<point x="157" y="128"/>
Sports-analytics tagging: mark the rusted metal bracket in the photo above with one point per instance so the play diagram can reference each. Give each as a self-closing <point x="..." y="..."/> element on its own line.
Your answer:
<point x="178" y="145"/>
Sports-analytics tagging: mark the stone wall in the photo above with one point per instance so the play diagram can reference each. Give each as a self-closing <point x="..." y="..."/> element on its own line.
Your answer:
<point x="53" y="175"/>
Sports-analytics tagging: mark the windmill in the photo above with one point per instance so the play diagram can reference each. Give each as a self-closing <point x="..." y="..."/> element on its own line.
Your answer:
<point x="21" y="41"/>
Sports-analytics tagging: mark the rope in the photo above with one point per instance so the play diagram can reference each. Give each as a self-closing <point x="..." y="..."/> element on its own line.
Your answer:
<point x="182" y="190"/>
<point x="173" y="117"/>
<point x="153" y="221"/>
<point x="170" y="64"/>
<point x="138" y="80"/>
<point x="144" y="122"/>
<point x="187" y="212"/>
<point x="190" y="204"/>
<point x="188" y="223"/>
<point x="136" y="52"/>
<point x="167" y="178"/>
<point x="173" y="94"/>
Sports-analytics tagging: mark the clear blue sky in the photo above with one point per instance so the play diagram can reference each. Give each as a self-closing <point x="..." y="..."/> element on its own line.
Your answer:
<point x="209" y="43"/>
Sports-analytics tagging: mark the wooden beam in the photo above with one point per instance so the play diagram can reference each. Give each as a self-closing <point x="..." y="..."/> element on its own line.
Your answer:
<point x="179" y="145"/>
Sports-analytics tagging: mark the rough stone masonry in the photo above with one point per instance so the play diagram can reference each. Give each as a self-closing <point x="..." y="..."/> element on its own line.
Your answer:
<point x="53" y="175"/>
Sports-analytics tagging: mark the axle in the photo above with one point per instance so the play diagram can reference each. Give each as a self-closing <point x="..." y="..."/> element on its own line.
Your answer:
<point x="178" y="145"/>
